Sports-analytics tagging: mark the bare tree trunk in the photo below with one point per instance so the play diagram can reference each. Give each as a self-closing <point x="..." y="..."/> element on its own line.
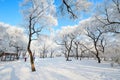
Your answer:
<point x="67" y="59"/>
<point x="77" y="52"/>
<point x="51" y="55"/>
<point x="81" y="55"/>
<point x="43" y="56"/>
<point x="69" y="49"/>
<point x="98" y="58"/>
<point x="32" y="61"/>
<point x="52" y="51"/>
<point x="76" y="48"/>
<point x="31" y="57"/>
<point x="17" y="52"/>
<point x="97" y="54"/>
<point x="29" y="50"/>
<point x="68" y="55"/>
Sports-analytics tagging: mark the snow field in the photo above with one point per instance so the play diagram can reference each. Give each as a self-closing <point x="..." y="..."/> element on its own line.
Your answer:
<point x="58" y="69"/>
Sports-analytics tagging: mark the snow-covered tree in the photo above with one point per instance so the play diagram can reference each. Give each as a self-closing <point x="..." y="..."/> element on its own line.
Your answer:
<point x="95" y="32"/>
<point x="38" y="14"/>
<point x="109" y="15"/>
<point x="3" y="37"/>
<point x="46" y="46"/>
<point x="16" y="40"/>
<point x="66" y="39"/>
<point x="11" y="39"/>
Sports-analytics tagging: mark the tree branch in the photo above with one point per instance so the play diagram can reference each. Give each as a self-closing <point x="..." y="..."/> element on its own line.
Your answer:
<point x="69" y="9"/>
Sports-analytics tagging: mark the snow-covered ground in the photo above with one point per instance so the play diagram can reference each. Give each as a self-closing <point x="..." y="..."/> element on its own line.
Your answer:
<point x="58" y="69"/>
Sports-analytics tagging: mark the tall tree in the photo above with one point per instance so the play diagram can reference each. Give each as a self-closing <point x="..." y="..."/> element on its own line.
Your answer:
<point x="66" y="40"/>
<point x="95" y="36"/>
<point x="95" y="31"/>
<point x="38" y="15"/>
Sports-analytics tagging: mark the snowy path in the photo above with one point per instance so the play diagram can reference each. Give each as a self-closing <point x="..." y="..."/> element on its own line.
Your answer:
<point x="58" y="69"/>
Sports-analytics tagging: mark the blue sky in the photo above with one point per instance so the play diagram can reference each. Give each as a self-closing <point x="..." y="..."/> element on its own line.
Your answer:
<point x="10" y="13"/>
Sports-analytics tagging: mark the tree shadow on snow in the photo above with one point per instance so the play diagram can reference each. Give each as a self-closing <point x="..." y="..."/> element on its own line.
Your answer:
<point x="13" y="75"/>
